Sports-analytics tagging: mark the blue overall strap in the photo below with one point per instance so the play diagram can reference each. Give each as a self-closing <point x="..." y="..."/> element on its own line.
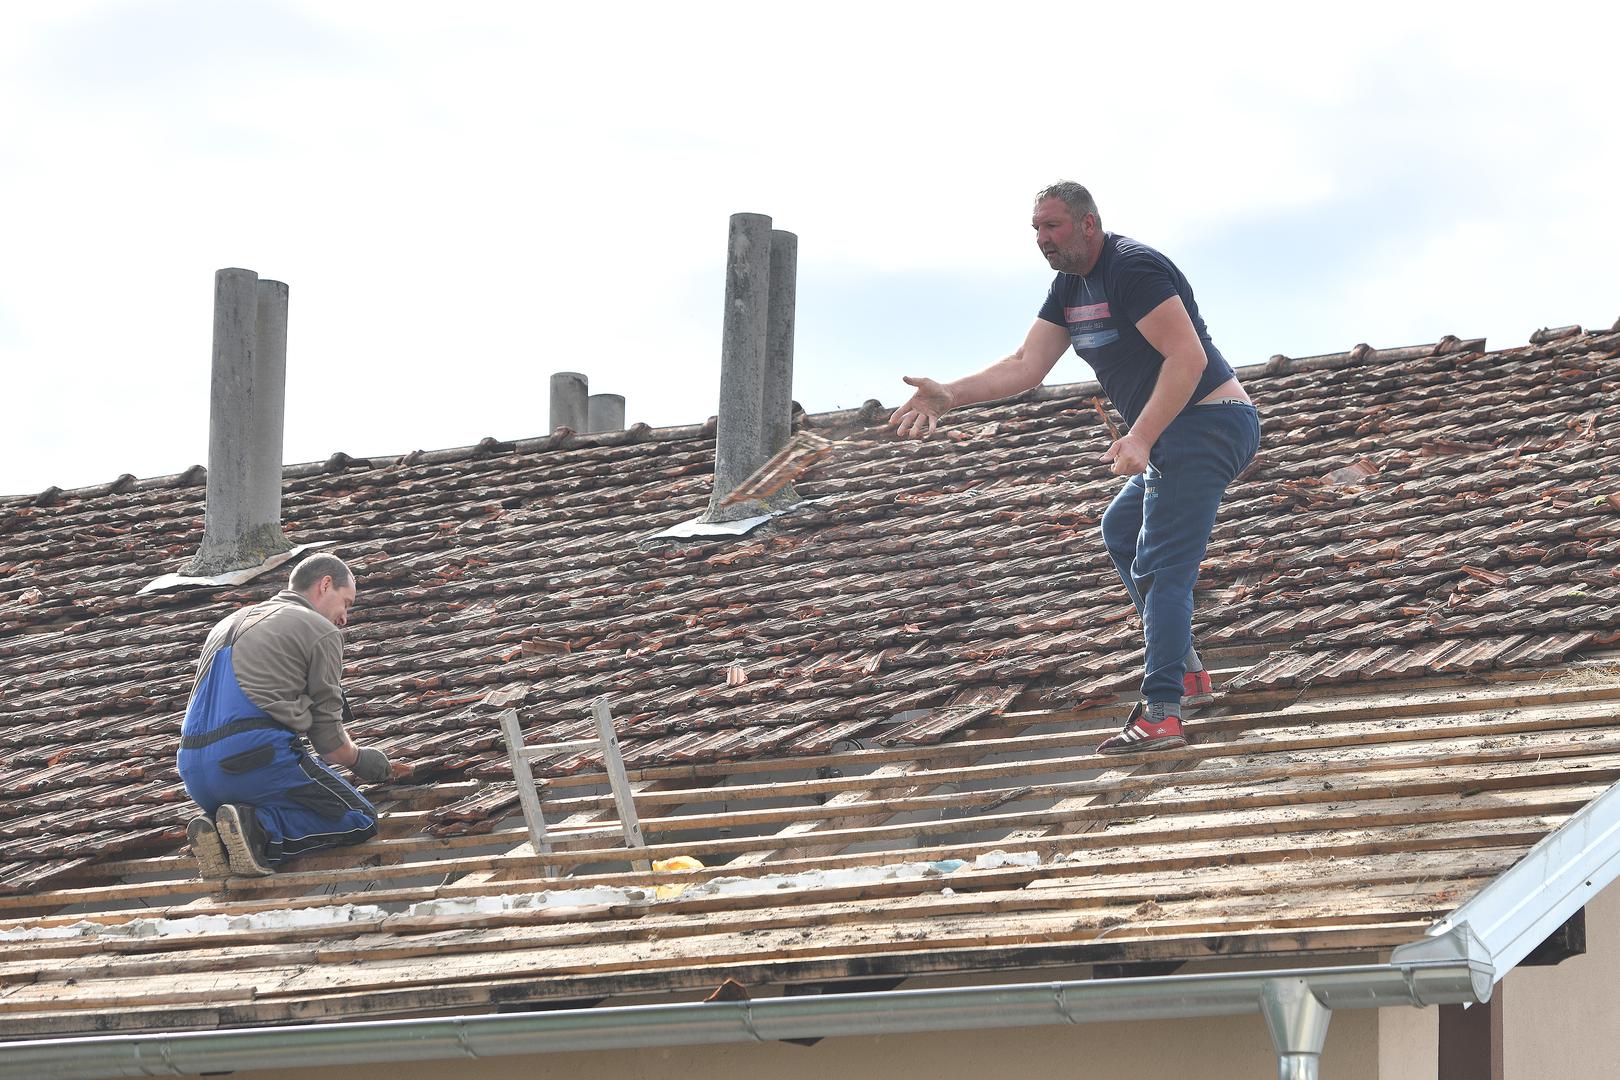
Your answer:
<point x="218" y="708"/>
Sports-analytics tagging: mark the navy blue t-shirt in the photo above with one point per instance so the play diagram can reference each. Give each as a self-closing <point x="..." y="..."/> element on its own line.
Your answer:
<point x="1101" y="310"/>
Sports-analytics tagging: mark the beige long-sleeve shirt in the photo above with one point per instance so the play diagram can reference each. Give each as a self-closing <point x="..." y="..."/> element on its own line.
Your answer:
<point x="289" y="662"/>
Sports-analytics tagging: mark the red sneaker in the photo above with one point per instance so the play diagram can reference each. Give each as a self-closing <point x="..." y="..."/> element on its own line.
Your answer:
<point x="1143" y="731"/>
<point x="1196" y="689"/>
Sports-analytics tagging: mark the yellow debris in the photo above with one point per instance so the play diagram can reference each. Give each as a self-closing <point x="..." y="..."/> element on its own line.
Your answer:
<point x="665" y="866"/>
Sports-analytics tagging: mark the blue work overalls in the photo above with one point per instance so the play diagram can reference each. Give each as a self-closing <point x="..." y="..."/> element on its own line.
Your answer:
<point x="231" y="751"/>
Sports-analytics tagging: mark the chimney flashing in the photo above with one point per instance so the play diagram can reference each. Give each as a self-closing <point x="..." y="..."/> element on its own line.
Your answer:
<point x="241" y="576"/>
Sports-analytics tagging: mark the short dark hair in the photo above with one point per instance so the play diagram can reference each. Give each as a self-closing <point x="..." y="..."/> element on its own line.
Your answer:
<point x="309" y="571"/>
<point x="1074" y="196"/>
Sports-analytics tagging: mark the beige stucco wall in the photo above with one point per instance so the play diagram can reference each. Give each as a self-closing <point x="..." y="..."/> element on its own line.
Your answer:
<point x="1408" y="1044"/>
<point x="1565" y="1020"/>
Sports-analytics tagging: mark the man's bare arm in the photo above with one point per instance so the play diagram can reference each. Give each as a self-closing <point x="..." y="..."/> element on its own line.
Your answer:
<point x="1011" y="375"/>
<point x="1169" y="329"/>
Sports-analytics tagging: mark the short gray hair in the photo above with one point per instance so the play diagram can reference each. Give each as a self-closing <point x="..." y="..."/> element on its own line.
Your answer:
<point x="308" y="573"/>
<point x="1074" y="196"/>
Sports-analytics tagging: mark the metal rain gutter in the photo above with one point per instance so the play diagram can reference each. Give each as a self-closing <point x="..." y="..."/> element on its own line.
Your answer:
<point x="1296" y="1003"/>
<point x="1521" y="907"/>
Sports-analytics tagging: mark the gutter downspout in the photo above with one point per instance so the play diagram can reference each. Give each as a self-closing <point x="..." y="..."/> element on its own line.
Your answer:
<point x="1297" y="1004"/>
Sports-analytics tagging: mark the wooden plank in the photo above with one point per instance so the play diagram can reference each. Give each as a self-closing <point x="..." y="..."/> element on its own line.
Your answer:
<point x="1360" y="702"/>
<point x="1275" y="849"/>
<point x="1375" y="734"/>
<point x="1465" y="836"/>
<point x="1064" y="906"/>
<point x="1117" y="788"/>
<point x="1559" y="722"/>
<point x="848" y="803"/>
<point x="622" y="796"/>
<point x="1305" y="739"/>
<point x="920" y="899"/>
<point x="906" y="834"/>
<point x="1304" y="735"/>
<point x="855" y="931"/>
<point x="534" y="818"/>
<point x="1498" y="770"/>
<point x="1397" y="700"/>
<point x="1112" y="930"/>
<point x="584" y="813"/>
<point x="1560" y="802"/>
<point x="1069" y="912"/>
<point x="534" y="751"/>
<point x="852" y="937"/>
<point x="1104" y="881"/>
<point x="700" y="977"/>
<point x="968" y="750"/>
<point x="1547" y="758"/>
<point x="1360" y="736"/>
<point x="1100" y="867"/>
<point x="81" y="960"/>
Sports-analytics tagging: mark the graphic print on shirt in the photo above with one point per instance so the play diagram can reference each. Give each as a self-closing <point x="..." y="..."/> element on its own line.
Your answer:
<point x="1089" y="324"/>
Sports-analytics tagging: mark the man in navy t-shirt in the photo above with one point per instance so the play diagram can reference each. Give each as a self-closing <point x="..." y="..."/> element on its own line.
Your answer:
<point x="1130" y="314"/>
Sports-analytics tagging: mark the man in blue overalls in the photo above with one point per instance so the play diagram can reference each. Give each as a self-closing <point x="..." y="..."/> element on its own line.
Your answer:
<point x="270" y="677"/>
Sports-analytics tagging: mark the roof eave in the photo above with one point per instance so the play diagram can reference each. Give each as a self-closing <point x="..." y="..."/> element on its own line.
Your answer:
<point x="1296" y="1003"/>
<point x="1519" y="909"/>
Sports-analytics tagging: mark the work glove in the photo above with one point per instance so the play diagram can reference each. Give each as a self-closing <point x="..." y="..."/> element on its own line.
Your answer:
<point x="371" y="765"/>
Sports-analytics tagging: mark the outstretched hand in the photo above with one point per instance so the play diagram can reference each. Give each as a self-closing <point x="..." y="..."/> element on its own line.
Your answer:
<point x="918" y="417"/>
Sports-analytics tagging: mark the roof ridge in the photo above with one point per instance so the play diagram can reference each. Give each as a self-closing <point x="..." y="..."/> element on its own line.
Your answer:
<point x="868" y="414"/>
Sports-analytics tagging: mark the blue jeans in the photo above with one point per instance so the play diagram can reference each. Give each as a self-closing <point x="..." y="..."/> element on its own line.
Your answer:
<point x="1157" y="529"/>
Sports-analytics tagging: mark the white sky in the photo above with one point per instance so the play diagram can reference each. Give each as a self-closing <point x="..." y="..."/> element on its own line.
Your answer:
<point x="465" y="198"/>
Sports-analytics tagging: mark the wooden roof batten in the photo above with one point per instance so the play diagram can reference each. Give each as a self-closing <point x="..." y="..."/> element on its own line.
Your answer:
<point x="1270" y="731"/>
<point x="1244" y="851"/>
